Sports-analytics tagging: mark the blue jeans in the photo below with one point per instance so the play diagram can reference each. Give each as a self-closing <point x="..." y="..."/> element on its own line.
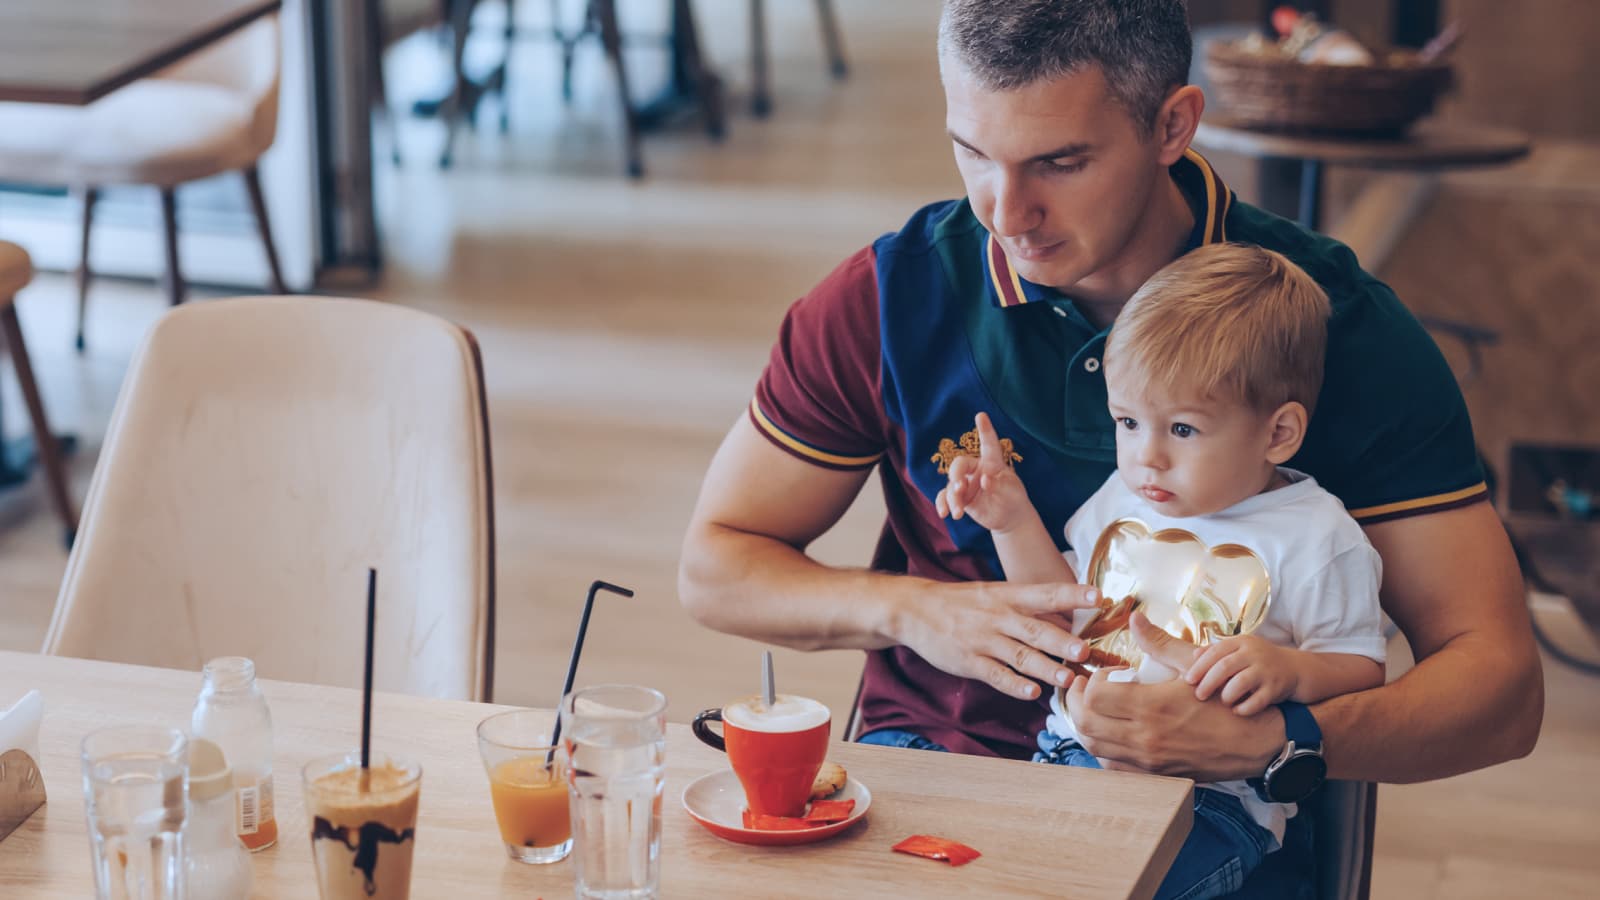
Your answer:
<point x="1225" y="845"/>
<point x="894" y="737"/>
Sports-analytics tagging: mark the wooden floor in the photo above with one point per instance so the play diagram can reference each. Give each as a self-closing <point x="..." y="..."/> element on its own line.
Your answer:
<point x="623" y="326"/>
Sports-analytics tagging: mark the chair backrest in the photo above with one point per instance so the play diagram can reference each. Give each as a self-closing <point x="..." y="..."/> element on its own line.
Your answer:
<point x="263" y="453"/>
<point x="248" y="62"/>
<point x="1344" y="817"/>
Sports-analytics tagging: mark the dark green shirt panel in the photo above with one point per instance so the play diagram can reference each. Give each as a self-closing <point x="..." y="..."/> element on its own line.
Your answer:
<point x="1028" y="355"/>
<point x="1390" y="424"/>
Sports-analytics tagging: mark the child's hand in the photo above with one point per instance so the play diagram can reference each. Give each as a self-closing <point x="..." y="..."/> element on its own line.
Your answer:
<point x="1251" y="673"/>
<point x="985" y="487"/>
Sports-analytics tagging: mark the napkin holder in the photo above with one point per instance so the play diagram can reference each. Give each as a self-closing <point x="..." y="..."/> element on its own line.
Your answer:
<point x="21" y="783"/>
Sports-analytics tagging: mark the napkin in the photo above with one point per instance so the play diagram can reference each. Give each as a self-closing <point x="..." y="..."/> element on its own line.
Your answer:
<point x="19" y="725"/>
<point x="21" y="787"/>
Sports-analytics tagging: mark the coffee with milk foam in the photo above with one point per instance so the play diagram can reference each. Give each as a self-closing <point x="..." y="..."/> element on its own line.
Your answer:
<point x="787" y="713"/>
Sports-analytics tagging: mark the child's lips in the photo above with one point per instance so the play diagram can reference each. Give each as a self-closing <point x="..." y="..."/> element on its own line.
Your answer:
<point x="1155" y="494"/>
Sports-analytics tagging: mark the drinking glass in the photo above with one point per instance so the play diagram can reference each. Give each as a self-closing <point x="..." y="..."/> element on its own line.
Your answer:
<point x="528" y="785"/>
<point x="363" y="824"/>
<point x="136" y="798"/>
<point x="615" y="737"/>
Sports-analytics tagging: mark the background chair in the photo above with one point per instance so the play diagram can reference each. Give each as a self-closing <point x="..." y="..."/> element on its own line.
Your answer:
<point x="213" y="112"/>
<point x="263" y="453"/>
<point x="1345" y="815"/>
<point x="16" y="270"/>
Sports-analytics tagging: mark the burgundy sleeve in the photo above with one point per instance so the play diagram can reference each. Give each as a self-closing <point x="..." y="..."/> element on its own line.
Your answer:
<point x="819" y="398"/>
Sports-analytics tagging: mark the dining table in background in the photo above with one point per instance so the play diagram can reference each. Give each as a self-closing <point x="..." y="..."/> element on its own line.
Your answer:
<point x="1042" y="830"/>
<point x="1430" y="147"/>
<point x="77" y="51"/>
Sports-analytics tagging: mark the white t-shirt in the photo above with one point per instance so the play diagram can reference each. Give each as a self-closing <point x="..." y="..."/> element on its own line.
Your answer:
<point x="1324" y="576"/>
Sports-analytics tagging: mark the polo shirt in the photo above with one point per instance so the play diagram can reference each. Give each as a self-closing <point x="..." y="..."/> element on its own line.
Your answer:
<point x="886" y="361"/>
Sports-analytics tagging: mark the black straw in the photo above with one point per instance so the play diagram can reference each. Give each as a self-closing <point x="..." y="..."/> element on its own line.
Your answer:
<point x="366" y="683"/>
<point x="577" y="647"/>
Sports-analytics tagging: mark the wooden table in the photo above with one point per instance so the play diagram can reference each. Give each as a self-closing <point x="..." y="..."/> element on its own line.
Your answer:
<point x="1430" y="146"/>
<point x="1043" y="830"/>
<point x="77" y="51"/>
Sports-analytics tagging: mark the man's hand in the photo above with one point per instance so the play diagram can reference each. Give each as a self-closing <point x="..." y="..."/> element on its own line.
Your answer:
<point x="1251" y="673"/>
<point x="1163" y="728"/>
<point x="999" y="633"/>
<point x="985" y="487"/>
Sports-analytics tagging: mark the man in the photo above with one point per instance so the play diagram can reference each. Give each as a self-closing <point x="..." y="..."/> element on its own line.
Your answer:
<point x="1071" y="123"/>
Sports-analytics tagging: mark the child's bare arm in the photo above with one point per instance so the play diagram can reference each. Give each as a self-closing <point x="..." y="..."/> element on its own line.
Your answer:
<point x="1252" y="674"/>
<point x="1030" y="556"/>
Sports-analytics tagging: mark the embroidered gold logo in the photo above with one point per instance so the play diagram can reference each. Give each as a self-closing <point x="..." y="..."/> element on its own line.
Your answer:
<point x="948" y="451"/>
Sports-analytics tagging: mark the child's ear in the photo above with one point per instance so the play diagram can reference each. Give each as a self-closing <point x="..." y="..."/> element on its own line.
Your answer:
<point x="1288" y="424"/>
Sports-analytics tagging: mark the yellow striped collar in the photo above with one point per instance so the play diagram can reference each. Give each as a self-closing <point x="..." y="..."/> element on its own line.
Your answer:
<point x="1194" y="176"/>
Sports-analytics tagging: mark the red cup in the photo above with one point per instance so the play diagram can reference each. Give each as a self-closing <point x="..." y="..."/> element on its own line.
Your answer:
<point x="775" y="751"/>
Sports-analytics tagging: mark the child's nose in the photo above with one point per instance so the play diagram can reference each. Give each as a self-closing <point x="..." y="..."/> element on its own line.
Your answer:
<point x="1152" y="455"/>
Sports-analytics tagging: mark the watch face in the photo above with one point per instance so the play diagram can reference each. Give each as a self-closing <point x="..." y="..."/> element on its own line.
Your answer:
<point x="1297" y="777"/>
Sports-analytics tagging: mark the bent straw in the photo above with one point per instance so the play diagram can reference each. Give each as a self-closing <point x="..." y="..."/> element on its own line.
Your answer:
<point x="577" y="649"/>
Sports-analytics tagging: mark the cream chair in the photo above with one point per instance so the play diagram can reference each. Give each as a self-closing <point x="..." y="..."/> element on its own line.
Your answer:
<point x="263" y="453"/>
<point x="16" y="270"/>
<point x="213" y="112"/>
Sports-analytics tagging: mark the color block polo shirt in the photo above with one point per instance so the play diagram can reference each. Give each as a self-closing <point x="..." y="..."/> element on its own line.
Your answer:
<point x="887" y="360"/>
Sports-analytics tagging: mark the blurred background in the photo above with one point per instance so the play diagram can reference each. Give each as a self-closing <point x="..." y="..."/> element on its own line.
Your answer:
<point x="625" y="303"/>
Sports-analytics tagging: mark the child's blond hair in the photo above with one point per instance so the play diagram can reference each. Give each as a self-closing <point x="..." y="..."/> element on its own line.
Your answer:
<point x="1227" y="322"/>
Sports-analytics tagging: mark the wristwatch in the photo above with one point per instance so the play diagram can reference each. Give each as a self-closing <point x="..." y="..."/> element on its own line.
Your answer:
<point x="1299" y="768"/>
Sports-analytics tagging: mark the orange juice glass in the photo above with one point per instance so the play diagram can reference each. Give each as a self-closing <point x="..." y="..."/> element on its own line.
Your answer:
<point x="527" y="784"/>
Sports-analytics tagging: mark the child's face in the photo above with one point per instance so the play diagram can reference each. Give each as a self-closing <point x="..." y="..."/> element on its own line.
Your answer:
<point x="1189" y="457"/>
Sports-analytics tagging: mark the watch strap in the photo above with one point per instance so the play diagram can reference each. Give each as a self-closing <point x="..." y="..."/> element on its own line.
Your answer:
<point x="1300" y="726"/>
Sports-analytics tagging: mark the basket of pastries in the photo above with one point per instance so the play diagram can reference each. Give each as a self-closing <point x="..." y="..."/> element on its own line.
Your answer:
<point x="1316" y="78"/>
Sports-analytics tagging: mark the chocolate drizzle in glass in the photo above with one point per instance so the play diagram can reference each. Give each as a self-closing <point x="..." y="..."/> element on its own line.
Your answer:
<point x="366" y="847"/>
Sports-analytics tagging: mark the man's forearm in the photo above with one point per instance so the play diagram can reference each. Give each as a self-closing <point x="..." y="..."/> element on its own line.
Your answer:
<point x="1324" y="675"/>
<point x="762" y="588"/>
<point x="1418" y="728"/>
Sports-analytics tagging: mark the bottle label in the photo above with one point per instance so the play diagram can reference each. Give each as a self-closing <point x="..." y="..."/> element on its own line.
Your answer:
<point x="249" y="811"/>
<point x="254" y="807"/>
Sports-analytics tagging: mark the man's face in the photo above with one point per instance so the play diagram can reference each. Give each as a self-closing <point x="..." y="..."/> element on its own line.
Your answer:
<point x="1057" y="171"/>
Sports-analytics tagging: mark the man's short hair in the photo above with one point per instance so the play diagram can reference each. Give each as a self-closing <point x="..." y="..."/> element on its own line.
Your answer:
<point x="1141" y="46"/>
<point x="1225" y="322"/>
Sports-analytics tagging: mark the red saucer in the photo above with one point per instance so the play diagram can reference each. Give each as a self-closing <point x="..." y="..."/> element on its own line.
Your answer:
<point x="717" y="801"/>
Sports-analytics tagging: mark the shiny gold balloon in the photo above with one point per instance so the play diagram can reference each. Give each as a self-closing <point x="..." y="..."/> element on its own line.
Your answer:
<point x="1192" y="591"/>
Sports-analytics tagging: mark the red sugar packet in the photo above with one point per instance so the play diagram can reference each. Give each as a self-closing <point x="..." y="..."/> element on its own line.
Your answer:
<point x="826" y="812"/>
<point x="760" y="822"/>
<point x="937" y="848"/>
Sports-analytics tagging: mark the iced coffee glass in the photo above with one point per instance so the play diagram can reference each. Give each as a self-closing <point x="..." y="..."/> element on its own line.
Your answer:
<point x="363" y="825"/>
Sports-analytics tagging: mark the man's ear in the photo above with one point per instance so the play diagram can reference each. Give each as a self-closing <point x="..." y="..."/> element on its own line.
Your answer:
<point x="1288" y="424"/>
<point x="1176" y="122"/>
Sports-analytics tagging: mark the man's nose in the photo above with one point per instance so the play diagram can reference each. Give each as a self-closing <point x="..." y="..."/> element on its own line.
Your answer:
<point x="1014" y="211"/>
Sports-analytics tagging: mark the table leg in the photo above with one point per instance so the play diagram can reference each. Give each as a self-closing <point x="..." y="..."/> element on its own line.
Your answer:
<point x="451" y="108"/>
<point x="15" y="461"/>
<point x="692" y="85"/>
<point x="1310" y="194"/>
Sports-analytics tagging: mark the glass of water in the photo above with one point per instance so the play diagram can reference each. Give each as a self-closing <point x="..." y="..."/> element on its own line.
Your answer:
<point x="136" y="795"/>
<point x="615" y="737"/>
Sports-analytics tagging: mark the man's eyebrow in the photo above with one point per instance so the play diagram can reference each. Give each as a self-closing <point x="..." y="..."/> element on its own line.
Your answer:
<point x="1074" y="149"/>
